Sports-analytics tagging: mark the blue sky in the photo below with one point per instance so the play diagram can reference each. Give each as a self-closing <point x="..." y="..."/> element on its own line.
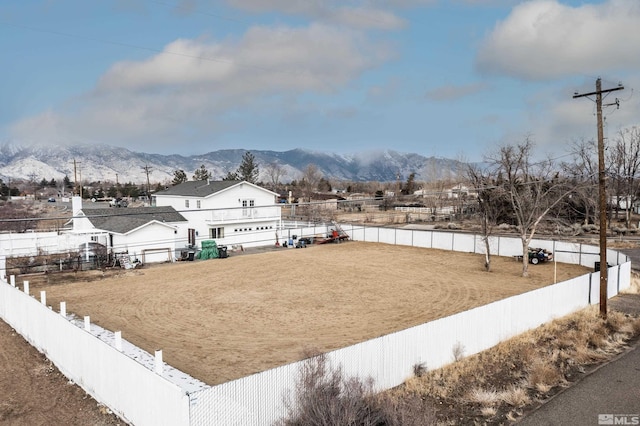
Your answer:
<point x="450" y="79"/>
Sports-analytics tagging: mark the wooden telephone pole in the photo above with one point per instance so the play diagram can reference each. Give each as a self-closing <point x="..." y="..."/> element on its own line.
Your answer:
<point x="602" y="194"/>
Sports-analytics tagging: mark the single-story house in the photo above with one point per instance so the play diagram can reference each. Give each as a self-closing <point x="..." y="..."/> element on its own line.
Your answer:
<point x="148" y="234"/>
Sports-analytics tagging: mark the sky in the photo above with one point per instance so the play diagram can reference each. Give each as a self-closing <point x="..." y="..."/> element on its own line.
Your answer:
<point x="452" y="79"/>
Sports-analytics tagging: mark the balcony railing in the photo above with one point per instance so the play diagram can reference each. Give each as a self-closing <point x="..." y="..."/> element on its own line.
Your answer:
<point x="244" y="214"/>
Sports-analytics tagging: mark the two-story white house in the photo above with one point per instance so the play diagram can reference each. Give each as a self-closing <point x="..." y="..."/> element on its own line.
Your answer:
<point x="229" y="212"/>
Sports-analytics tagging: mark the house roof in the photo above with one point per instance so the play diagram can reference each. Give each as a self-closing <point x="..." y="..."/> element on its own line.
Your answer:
<point x="121" y="220"/>
<point x="198" y="188"/>
<point x="204" y="188"/>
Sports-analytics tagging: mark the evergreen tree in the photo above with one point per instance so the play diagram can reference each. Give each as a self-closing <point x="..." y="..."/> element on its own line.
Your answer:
<point x="248" y="169"/>
<point x="410" y="185"/>
<point x="202" y="173"/>
<point x="231" y="176"/>
<point x="179" y="176"/>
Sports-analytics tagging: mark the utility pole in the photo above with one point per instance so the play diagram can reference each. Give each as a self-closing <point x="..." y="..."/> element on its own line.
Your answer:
<point x="147" y="170"/>
<point x="75" y="178"/>
<point x="602" y="195"/>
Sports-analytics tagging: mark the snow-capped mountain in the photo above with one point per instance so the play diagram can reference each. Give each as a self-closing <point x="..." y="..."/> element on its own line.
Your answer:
<point x="91" y="163"/>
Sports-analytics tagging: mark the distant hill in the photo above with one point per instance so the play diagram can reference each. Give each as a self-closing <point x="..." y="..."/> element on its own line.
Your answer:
<point x="108" y="163"/>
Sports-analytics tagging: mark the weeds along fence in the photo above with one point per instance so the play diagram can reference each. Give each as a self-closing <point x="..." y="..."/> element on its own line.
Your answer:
<point x="145" y="391"/>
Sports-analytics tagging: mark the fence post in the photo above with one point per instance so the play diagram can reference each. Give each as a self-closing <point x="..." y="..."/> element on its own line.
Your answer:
<point x="118" y="340"/>
<point x="63" y="309"/>
<point x="43" y="297"/>
<point x="580" y="255"/>
<point x="87" y="323"/>
<point x="158" y="364"/>
<point x="26" y="287"/>
<point x="12" y="279"/>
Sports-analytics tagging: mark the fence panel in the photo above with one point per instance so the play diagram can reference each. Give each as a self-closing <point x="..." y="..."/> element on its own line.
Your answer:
<point x="386" y="235"/>
<point x="136" y="393"/>
<point x="509" y="246"/>
<point x="404" y="237"/>
<point x="465" y="243"/>
<point x="442" y="240"/>
<point x="624" y="276"/>
<point x="567" y="252"/>
<point x="371" y="235"/>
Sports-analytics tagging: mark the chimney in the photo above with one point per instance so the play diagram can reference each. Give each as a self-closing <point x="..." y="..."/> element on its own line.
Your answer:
<point x="76" y="206"/>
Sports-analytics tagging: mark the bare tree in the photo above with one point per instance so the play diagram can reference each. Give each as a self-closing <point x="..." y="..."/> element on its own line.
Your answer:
<point x="274" y="172"/>
<point x="492" y="203"/>
<point x="583" y="171"/>
<point x="625" y="161"/>
<point x="311" y="178"/>
<point x="532" y="188"/>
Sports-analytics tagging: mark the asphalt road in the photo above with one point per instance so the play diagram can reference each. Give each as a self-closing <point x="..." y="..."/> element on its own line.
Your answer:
<point x="609" y="395"/>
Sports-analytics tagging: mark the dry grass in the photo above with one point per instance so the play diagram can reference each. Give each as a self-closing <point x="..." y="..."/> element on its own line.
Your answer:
<point x="499" y="384"/>
<point x="324" y="396"/>
<point x="635" y="284"/>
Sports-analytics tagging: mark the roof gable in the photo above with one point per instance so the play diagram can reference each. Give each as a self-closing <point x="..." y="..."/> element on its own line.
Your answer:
<point x="122" y="221"/>
<point x="205" y="188"/>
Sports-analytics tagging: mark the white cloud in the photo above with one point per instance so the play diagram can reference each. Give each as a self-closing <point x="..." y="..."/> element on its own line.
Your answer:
<point x="544" y="39"/>
<point x="556" y="118"/>
<point x="184" y="93"/>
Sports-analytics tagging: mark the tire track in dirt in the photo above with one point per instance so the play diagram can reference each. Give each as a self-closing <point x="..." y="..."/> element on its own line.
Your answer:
<point x="222" y="319"/>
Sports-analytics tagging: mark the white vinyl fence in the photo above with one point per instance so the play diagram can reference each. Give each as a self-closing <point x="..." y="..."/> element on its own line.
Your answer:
<point x="111" y="370"/>
<point x="147" y="393"/>
<point x="389" y="360"/>
<point x="32" y="243"/>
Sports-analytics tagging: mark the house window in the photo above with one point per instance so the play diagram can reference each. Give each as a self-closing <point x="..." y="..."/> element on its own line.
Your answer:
<point x="216" y="233"/>
<point x="247" y="205"/>
<point x="198" y="204"/>
<point x="186" y="204"/>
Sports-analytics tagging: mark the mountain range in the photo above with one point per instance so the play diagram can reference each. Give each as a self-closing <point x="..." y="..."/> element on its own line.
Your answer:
<point x="91" y="163"/>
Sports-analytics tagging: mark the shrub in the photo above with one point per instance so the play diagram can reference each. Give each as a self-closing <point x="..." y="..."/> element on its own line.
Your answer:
<point x="419" y="369"/>
<point x="325" y="397"/>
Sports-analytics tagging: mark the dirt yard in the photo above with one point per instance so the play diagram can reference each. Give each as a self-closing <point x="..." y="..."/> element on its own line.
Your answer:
<point x="34" y="392"/>
<point x="222" y="319"/>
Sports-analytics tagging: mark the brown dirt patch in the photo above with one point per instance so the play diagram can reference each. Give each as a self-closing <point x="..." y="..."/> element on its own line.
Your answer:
<point x="34" y="392"/>
<point x="222" y="319"/>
